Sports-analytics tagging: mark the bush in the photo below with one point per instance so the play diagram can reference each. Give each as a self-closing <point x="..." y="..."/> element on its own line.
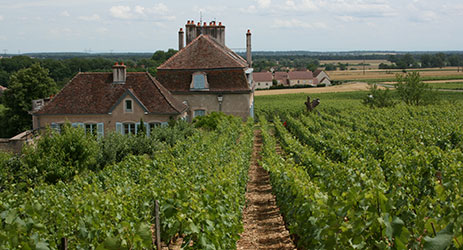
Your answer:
<point x="413" y="91"/>
<point x="210" y="121"/>
<point x="60" y="156"/>
<point x="378" y="97"/>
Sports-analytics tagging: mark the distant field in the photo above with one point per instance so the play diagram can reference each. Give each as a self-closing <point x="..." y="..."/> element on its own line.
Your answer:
<point x="372" y="64"/>
<point x="385" y="75"/>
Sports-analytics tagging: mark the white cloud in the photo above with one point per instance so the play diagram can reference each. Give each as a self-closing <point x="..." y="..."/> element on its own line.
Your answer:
<point x="120" y="11"/>
<point x="264" y="3"/>
<point x="252" y="9"/>
<point x="156" y="13"/>
<point x="1" y="18"/>
<point x="93" y="17"/>
<point x="304" y="5"/>
<point x="295" y="23"/>
<point x="64" y="13"/>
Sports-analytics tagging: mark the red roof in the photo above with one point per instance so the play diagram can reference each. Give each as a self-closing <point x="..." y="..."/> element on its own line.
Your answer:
<point x="2" y="88"/>
<point x="262" y="76"/>
<point x="204" y="52"/>
<point x="282" y="76"/>
<point x="95" y="93"/>
<point x="230" y="80"/>
<point x="317" y="72"/>
<point x="300" y="75"/>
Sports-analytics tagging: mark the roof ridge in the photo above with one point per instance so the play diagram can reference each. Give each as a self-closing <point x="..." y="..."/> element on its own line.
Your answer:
<point x="224" y="49"/>
<point x="178" y="52"/>
<point x="159" y="87"/>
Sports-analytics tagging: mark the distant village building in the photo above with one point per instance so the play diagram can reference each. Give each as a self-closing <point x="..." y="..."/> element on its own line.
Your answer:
<point x="204" y="76"/>
<point x="262" y="80"/>
<point x="292" y="78"/>
<point x="322" y="77"/>
<point x="281" y="78"/>
<point x="301" y="78"/>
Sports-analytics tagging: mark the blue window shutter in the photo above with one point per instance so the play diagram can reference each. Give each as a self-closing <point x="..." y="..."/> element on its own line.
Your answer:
<point x="147" y="128"/>
<point x="137" y="126"/>
<point x="164" y="124"/>
<point x="74" y="125"/>
<point x="199" y="81"/>
<point x="100" y="129"/>
<point x="81" y="125"/>
<point x="119" y="128"/>
<point x="55" y="126"/>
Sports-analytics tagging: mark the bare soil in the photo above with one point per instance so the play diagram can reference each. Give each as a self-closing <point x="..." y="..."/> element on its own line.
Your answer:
<point x="264" y="227"/>
<point x="348" y="87"/>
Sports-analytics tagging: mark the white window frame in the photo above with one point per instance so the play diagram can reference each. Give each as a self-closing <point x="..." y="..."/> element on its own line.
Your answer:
<point x="206" y="83"/>
<point x="200" y="109"/>
<point x="126" y="110"/>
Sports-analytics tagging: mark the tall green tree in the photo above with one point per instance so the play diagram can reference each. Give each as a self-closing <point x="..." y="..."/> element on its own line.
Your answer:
<point x="413" y="91"/>
<point x="25" y="85"/>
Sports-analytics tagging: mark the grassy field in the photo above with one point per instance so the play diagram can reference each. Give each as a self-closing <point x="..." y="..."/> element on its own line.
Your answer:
<point x="294" y="103"/>
<point x="373" y="74"/>
<point x="370" y="64"/>
<point x="447" y="85"/>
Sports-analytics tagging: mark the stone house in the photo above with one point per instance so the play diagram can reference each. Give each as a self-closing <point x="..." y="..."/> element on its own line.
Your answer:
<point x="203" y="77"/>
<point x="281" y="78"/>
<point x="262" y="80"/>
<point x="207" y="76"/>
<point x="322" y="76"/>
<point x="301" y="78"/>
<point x="101" y="102"/>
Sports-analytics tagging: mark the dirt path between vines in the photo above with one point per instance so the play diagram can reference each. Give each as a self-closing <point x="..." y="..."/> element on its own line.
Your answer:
<point x="264" y="227"/>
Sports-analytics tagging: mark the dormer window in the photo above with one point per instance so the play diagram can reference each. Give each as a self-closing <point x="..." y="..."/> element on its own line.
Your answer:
<point x="128" y="106"/>
<point x="199" y="81"/>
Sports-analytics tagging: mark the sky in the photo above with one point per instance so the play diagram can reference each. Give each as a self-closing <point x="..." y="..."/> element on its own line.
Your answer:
<point x="276" y="25"/>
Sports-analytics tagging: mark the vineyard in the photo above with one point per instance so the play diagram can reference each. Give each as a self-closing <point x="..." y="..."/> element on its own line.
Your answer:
<point x="199" y="182"/>
<point x="344" y="177"/>
<point x="354" y="177"/>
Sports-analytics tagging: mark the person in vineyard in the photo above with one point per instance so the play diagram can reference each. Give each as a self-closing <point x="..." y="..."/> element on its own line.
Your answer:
<point x="311" y="105"/>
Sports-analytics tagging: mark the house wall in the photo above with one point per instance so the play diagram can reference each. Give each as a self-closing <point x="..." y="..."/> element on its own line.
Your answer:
<point x="300" y="82"/>
<point x="323" y="75"/>
<point x="263" y="85"/>
<point x="109" y="120"/>
<point x="232" y="104"/>
<point x="326" y="82"/>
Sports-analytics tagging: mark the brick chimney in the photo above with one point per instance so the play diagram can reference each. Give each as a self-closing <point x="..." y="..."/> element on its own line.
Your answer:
<point x="180" y="39"/>
<point x="190" y="28"/>
<point x="248" y="49"/>
<point x="212" y="29"/>
<point x="119" y="73"/>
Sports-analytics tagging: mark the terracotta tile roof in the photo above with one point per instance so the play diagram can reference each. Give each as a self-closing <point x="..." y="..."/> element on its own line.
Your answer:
<point x="224" y="80"/>
<point x="262" y="76"/>
<point x="204" y="52"/>
<point x="300" y="75"/>
<point x="95" y="93"/>
<point x="2" y="88"/>
<point x="282" y="76"/>
<point x="317" y="72"/>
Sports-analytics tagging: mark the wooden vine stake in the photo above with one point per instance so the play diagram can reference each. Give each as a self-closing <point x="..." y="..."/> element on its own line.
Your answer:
<point x="158" y="226"/>
<point x="64" y="244"/>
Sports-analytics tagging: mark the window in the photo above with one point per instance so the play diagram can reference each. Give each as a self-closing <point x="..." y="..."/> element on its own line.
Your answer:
<point x="199" y="112"/>
<point x="199" y="81"/>
<point x="128" y="106"/>
<point x="90" y="128"/>
<point x="129" y="128"/>
<point x="154" y="125"/>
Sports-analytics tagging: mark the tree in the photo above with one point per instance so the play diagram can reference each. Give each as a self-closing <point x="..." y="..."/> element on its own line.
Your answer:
<point x="25" y="85"/>
<point x="413" y="91"/>
<point x="378" y="97"/>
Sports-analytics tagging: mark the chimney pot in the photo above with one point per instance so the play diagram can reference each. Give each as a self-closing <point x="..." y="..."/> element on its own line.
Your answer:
<point x="249" y="31"/>
<point x="199" y="24"/>
<point x="220" y="23"/>
<point x="181" y="29"/>
<point x="119" y="73"/>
